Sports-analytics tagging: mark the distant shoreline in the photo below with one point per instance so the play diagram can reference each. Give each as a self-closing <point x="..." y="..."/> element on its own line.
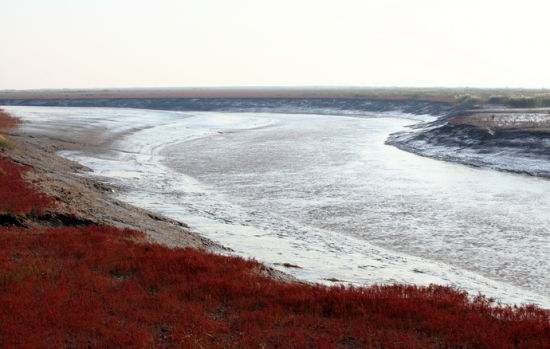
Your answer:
<point x="457" y="96"/>
<point x="434" y="95"/>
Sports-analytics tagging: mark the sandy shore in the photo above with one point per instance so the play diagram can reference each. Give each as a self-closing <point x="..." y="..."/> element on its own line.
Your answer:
<point x="90" y="201"/>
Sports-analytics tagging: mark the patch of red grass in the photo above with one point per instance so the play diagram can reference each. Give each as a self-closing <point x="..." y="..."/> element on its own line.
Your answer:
<point x="8" y="121"/>
<point x="105" y="287"/>
<point x="16" y="195"/>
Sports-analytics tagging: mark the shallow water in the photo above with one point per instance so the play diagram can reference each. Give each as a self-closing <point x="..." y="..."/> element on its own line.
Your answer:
<point x="325" y="193"/>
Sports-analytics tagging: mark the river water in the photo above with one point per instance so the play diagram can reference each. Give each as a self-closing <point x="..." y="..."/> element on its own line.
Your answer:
<point x="323" y="192"/>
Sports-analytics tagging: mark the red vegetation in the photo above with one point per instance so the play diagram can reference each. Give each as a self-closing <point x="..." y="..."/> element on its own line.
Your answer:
<point x="104" y="287"/>
<point x="8" y="121"/>
<point x="18" y="197"/>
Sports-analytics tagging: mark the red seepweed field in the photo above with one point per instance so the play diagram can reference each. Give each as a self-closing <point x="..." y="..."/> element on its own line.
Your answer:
<point x="106" y="287"/>
<point x="17" y="197"/>
<point x="103" y="287"/>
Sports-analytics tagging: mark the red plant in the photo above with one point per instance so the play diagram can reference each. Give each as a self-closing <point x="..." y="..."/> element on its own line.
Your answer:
<point x="8" y="121"/>
<point x="105" y="287"/>
<point x="16" y="195"/>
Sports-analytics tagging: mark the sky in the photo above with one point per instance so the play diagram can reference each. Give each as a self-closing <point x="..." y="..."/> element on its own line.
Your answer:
<point x="186" y="43"/>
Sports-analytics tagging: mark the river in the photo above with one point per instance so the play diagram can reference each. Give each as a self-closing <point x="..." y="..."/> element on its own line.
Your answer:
<point x="324" y="193"/>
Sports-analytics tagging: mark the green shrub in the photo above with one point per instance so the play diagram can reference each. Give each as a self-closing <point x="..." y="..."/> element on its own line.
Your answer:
<point x="5" y="143"/>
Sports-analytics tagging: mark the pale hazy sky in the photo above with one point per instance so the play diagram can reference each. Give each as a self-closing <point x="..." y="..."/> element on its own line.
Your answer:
<point x="170" y="43"/>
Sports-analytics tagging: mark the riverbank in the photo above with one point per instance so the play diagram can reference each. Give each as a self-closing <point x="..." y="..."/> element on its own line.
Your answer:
<point x="505" y="139"/>
<point x="86" y="201"/>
